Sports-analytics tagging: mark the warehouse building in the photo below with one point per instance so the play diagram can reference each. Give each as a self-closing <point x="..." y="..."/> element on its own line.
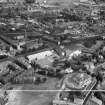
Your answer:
<point x="40" y="55"/>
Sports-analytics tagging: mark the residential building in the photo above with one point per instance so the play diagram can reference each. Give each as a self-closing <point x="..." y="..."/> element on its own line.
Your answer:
<point x="16" y="1"/>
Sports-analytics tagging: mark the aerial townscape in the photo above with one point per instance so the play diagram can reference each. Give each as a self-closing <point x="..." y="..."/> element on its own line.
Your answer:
<point x="52" y="52"/>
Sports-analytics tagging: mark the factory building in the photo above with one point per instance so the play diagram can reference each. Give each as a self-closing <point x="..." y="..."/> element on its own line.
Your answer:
<point x="40" y="55"/>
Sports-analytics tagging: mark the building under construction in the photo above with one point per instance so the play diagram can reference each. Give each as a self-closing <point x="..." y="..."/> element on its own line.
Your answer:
<point x="75" y="90"/>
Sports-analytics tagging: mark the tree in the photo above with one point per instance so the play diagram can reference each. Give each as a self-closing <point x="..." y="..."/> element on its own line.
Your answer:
<point x="11" y="67"/>
<point x="20" y="64"/>
<point x="29" y="1"/>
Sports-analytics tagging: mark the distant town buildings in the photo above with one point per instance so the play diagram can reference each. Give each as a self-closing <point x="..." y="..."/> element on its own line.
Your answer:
<point x="87" y="1"/>
<point x="3" y="1"/>
<point x="12" y="1"/>
<point x="33" y="8"/>
<point x="83" y="0"/>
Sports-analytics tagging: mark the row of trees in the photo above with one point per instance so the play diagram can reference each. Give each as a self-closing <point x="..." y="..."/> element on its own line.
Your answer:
<point x="30" y="1"/>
